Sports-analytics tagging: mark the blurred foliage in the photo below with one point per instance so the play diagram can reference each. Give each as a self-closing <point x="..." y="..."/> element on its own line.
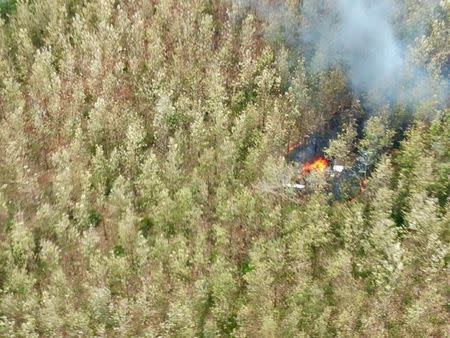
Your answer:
<point x="143" y="150"/>
<point x="7" y="7"/>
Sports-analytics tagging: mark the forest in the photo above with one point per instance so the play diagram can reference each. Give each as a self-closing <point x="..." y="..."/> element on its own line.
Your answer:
<point x="224" y="168"/>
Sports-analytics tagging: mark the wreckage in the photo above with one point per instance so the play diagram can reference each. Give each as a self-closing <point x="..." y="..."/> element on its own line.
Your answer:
<point x="309" y="158"/>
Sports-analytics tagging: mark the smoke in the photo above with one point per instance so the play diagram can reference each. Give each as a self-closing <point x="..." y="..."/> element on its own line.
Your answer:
<point x="360" y="36"/>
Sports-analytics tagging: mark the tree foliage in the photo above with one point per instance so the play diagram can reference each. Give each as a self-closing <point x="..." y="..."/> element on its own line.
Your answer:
<point x="142" y="151"/>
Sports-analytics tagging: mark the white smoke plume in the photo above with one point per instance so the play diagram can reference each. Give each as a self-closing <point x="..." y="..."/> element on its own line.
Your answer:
<point x="360" y="36"/>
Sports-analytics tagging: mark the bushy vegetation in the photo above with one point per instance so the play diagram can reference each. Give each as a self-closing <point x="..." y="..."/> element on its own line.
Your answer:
<point x="142" y="147"/>
<point x="7" y="7"/>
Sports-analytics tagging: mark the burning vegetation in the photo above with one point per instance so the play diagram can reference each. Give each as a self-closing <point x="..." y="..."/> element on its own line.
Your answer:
<point x="143" y="189"/>
<point x="318" y="165"/>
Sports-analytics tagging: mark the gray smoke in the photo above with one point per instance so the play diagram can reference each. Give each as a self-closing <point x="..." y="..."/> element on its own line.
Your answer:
<point x="360" y="36"/>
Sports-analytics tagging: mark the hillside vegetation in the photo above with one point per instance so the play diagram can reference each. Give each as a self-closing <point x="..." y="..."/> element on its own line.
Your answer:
<point x="142" y="147"/>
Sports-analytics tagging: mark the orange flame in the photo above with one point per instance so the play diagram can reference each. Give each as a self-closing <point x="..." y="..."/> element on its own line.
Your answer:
<point x="292" y="147"/>
<point x="319" y="165"/>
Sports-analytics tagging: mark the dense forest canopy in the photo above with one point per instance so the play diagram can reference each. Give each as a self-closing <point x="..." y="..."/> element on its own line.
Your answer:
<point x="146" y="183"/>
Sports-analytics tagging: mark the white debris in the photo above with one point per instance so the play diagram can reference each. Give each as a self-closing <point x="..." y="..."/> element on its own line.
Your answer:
<point x="295" y="186"/>
<point x="338" y="168"/>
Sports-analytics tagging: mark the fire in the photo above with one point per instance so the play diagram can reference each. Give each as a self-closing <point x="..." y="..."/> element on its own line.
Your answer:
<point x="319" y="165"/>
<point x="292" y="147"/>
